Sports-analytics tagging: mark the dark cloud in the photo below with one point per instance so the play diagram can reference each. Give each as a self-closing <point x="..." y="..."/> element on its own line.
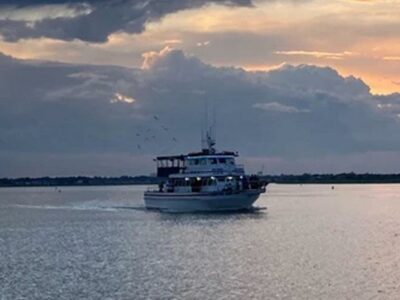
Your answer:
<point x="104" y="113"/>
<point x="103" y="18"/>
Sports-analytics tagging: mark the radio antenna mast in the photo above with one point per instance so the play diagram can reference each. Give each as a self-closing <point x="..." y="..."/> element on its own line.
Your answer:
<point x="208" y="131"/>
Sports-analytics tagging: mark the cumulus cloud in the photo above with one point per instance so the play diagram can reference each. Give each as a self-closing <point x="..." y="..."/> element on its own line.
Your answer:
<point x="294" y="113"/>
<point x="92" y="20"/>
<point x="152" y="57"/>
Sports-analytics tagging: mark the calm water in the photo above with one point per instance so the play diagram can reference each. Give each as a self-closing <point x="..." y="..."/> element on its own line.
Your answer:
<point x="99" y="243"/>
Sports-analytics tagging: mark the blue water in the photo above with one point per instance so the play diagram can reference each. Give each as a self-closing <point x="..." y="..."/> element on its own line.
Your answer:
<point x="100" y="243"/>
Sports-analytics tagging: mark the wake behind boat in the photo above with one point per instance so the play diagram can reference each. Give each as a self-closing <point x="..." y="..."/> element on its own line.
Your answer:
<point x="203" y="181"/>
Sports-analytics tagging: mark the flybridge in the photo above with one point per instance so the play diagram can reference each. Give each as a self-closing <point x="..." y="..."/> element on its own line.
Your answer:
<point x="167" y="165"/>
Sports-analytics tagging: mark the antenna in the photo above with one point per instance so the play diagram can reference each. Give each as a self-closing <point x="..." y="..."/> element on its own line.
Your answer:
<point x="208" y="131"/>
<point x="204" y="127"/>
<point x="214" y="124"/>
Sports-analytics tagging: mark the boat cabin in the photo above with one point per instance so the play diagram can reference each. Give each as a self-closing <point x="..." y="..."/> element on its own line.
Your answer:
<point x="198" y="163"/>
<point x="216" y="164"/>
<point x="210" y="184"/>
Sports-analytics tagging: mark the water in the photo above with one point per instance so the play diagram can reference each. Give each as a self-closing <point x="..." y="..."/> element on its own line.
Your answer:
<point x="100" y="243"/>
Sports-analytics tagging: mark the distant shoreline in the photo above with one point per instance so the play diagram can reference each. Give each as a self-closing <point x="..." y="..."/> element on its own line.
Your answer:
<point x="77" y="181"/>
<point x="343" y="178"/>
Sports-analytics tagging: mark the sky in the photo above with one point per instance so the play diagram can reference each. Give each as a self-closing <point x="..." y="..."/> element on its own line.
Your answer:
<point x="101" y="87"/>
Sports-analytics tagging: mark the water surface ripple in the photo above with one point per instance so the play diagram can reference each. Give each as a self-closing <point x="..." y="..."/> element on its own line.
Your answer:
<point x="100" y="243"/>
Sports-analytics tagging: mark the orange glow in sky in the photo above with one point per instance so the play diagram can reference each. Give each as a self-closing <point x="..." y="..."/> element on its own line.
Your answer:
<point x="361" y="38"/>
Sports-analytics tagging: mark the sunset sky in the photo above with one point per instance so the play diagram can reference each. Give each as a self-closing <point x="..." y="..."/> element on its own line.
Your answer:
<point x="329" y="66"/>
<point x="357" y="37"/>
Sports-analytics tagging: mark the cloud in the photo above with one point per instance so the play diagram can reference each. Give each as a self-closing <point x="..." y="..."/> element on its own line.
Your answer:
<point x="303" y="77"/>
<point x="118" y="97"/>
<point x="91" y="111"/>
<point x="392" y="58"/>
<point x="151" y="57"/>
<point x="317" y="54"/>
<point x="45" y="11"/>
<point x="91" y="21"/>
<point x="278" y="107"/>
<point x="173" y="41"/>
<point x="203" y="44"/>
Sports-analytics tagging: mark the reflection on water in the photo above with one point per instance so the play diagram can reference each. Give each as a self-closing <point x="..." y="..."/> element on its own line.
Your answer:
<point x="100" y="242"/>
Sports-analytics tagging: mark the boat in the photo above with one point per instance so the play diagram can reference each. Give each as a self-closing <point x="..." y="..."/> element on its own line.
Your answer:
<point x="204" y="181"/>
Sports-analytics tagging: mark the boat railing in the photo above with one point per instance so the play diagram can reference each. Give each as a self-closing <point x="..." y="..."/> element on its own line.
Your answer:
<point x="152" y="189"/>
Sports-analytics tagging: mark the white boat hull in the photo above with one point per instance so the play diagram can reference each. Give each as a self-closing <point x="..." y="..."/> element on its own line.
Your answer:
<point x="191" y="202"/>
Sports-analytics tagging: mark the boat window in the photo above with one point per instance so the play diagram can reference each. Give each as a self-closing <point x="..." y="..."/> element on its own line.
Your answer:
<point x="230" y="161"/>
<point x="196" y="161"/>
<point x="203" y="161"/>
<point x="178" y="182"/>
<point x="206" y="181"/>
<point x="213" y="161"/>
<point x="222" y="160"/>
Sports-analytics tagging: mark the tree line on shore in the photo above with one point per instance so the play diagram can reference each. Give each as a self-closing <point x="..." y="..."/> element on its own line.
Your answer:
<point x="136" y="180"/>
